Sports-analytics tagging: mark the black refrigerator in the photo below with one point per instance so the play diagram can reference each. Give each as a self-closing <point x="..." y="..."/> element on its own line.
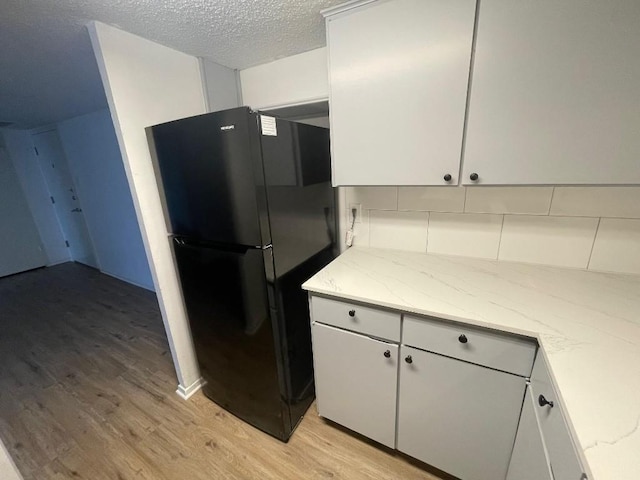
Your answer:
<point x="251" y="211"/>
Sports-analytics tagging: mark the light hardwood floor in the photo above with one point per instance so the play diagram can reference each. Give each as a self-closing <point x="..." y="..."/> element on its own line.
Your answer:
<point x="87" y="390"/>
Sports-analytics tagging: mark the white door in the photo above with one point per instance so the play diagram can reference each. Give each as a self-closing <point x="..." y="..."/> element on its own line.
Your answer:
<point x="55" y="169"/>
<point x="356" y="380"/>
<point x="20" y="245"/>
<point x="459" y="417"/>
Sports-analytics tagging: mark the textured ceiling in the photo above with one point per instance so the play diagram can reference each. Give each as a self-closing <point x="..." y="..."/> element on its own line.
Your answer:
<point x="48" y="72"/>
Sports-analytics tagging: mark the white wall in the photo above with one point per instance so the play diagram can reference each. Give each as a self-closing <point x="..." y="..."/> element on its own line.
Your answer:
<point x="147" y="84"/>
<point x="582" y="227"/>
<point x="220" y="85"/>
<point x="92" y="151"/>
<point x="298" y="79"/>
<point x="19" y="145"/>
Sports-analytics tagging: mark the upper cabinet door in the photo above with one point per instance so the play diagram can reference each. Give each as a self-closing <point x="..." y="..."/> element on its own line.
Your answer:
<point x="555" y="93"/>
<point x="398" y="74"/>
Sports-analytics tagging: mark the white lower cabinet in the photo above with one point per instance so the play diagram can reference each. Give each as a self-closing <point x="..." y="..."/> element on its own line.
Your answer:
<point x="544" y="449"/>
<point x="565" y="462"/>
<point x="459" y="417"/>
<point x="442" y="393"/>
<point x="356" y="381"/>
<point x="529" y="460"/>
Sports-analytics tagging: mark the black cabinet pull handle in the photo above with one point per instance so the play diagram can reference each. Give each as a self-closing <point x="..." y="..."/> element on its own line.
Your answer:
<point x="352" y="313"/>
<point x="473" y="177"/>
<point x="463" y="338"/>
<point x="543" y="401"/>
<point x="447" y="177"/>
<point x="408" y="359"/>
<point x="387" y="354"/>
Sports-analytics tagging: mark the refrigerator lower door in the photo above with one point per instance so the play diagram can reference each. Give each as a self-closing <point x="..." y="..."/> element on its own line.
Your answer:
<point x="225" y="292"/>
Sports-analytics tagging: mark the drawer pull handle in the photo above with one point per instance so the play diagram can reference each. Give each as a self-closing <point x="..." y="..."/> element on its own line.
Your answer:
<point x="543" y="401"/>
<point x="408" y="359"/>
<point x="387" y="354"/>
<point x="463" y="338"/>
<point x="352" y="313"/>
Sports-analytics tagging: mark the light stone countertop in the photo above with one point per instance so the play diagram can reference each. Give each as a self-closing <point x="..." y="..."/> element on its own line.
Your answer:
<point x="587" y="324"/>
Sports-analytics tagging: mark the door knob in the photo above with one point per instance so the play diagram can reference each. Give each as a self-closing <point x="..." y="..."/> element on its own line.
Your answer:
<point x="473" y="177"/>
<point x="447" y="177"/>
<point x="543" y="401"/>
<point x="352" y="313"/>
<point x="463" y="338"/>
<point x="408" y="359"/>
<point x="387" y="354"/>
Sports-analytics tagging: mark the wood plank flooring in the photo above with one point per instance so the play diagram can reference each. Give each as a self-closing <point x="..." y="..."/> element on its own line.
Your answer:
<point x="87" y="391"/>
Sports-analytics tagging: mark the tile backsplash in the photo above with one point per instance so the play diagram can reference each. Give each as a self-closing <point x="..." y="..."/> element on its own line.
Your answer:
<point x="582" y="227"/>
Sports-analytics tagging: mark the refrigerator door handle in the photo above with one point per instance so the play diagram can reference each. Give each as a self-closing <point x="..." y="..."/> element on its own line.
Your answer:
<point x="199" y="244"/>
<point x="190" y="242"/>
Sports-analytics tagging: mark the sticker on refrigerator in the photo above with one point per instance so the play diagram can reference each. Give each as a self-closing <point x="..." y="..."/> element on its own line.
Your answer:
<point x="268" y="126"/>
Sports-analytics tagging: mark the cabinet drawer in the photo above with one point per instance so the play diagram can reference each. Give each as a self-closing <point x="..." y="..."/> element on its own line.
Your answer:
<point x="562" y="453"/>
<point x="501" y="351"/>
<point x="358" y="318"/>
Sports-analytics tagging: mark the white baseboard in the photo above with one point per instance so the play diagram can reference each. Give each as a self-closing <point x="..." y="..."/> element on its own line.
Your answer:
<point x="137" y="284"/>
<point x="186" y="392"/>
<point x="8" y="468"/>
<point x="58" y="262"/>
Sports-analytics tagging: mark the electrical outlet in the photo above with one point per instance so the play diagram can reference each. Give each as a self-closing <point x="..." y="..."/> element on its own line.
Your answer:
<point x="358" y="207"/>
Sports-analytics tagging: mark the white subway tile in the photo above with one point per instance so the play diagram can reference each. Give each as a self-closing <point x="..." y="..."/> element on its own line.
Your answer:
<point x="373" y="198"/>
<point x="525" y="200"/>
<point x="398" y="230"/>
<point x="561" y="241"/>
<point x="435" y="199"/>
<point x="621" y="202"/>
<point x="464" y="234"/>
<point x="617" y="246"/>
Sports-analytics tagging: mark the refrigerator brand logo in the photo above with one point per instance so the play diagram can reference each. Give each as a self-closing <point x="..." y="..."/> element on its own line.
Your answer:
<point x="227" y="127"/>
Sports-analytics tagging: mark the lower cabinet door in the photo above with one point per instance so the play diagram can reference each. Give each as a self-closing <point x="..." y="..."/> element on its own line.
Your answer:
<point x="529" y="460"/>
<point x="565" y="463"/>
<point x="356" y="381"/>
<point x="456" y="416"/>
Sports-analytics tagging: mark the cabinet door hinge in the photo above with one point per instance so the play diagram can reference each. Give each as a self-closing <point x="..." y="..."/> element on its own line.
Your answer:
<point x="66" y="242"/>
<point x="52" y="200"/>
<point x="36" y="149"/>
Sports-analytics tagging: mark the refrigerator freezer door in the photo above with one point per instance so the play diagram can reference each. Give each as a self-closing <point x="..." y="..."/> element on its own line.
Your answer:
<point x="300" y="197"/>
<point x="225" y="292"/>
<point x="210" y="173"/>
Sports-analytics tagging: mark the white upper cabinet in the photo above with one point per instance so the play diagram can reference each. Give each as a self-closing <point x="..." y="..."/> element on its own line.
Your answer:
<point x="398" y="75"/>
<point x="555" y="93"/>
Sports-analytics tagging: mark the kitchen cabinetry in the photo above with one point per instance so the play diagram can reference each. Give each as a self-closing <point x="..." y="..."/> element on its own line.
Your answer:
<point x="529" y="460"/>
<point x="356" y="382"/>
<point x="398" y="74"/>
<point x="356" y="374"/>
<point x="555" y="93"/>
<point x="457" y="405"/>
<point x="564" y="460"/>
<point x="457" y="416"/>
<point x="465" y="381"/>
